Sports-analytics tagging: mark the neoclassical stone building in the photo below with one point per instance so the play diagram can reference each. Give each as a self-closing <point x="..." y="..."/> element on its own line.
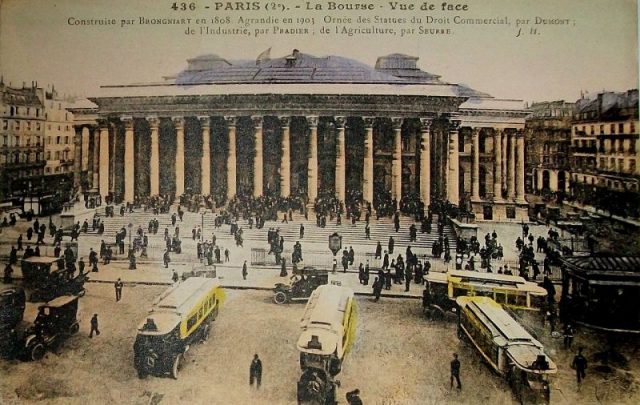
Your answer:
<point x="302" y="124"/>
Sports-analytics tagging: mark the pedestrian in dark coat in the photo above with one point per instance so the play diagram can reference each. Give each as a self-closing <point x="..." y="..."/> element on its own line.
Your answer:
<point x="378" y="251"/>
<point x="244" y="270"/>
<point x="255" y="371"/>
<point x="94" y="326"/>
<point x="377" y="288"/>
<point x="580" y="365"/>
<point x="455" y="371"/>
<point x="118" y="286"/>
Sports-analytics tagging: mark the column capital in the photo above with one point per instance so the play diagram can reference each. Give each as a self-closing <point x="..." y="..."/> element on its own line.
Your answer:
<point x="519" y="133"/>
<point x="396" y="122"/>
<point x="154" y="121"/>
<point x="285" y="120"/>
<point x="498" y="131"/>
<point x="231" y="120"/>
<point x="178" y="122"/>
<point x="454" y="125"/>
<point x="205" y="121"/>
<point x="368" y="121"/>
<point x="312" y="121"/>
<point x="127" y="120"/>
<point x="257" y="121"/>
<point x="425" y="123"/>
<point x="340" y="120"/>
<point x="103" y="123"/>
<point x="475" y="131"/>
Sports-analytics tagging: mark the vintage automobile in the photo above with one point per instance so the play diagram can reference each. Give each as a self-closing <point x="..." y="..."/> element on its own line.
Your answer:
<point x="55" y="322"/>
<point x="180" y="317"/>
<point x="48" y="278"/>
<point x="300" y="285"/>
<point x="328" y="330"/>
<point x="12" y="304"/>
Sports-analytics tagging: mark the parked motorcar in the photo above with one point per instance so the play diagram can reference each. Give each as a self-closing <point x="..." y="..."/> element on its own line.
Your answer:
<point x="300" y="285"/>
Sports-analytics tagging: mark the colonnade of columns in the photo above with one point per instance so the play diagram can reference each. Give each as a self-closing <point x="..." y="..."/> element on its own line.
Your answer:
<point x="508" y="165"/>
<point x="508" y="158"/>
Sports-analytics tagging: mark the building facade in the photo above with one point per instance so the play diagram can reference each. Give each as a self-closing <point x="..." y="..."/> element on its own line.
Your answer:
<point x="305" y="125"/>
<point x="21" y="140"/>
<point x="59" y="135"/>
<point x="605" y="150"/>
<point x="547" y="139"/>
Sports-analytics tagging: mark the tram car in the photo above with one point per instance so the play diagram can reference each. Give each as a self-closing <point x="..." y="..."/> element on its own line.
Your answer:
<point x="514" y="292"/>
<point x="328" y="332"/>
<point x="507" y="347"/>
<point x="179" y="318"/>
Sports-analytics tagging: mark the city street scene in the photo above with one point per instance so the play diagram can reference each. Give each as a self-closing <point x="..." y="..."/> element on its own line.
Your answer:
<point x="292" y="220"/>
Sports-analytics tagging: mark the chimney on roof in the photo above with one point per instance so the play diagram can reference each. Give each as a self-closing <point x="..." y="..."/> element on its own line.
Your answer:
<point x="291" y="59"/>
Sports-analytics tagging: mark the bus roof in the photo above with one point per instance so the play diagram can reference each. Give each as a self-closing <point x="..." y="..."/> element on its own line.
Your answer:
<point x="182" y="297"/>
<point x="496" y="281"/>
<point x="326" y="306"/>
<point x="496" y="319"/>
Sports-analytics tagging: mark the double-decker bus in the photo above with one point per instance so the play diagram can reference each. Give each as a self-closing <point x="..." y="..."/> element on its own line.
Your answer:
<point x="328" y="331"/>
<point x="514" y="292"/>
<point x="180" y="317"/>
<point x="507" y="347"/>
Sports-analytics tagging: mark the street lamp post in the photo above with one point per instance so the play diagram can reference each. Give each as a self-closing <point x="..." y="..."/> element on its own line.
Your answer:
<point x="130" y="226"/>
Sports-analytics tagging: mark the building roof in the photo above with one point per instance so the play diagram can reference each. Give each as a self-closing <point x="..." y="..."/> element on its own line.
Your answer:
<point x="25" y="96"/>
<point x="603" y="269"/>
<point x="608" y="106"/>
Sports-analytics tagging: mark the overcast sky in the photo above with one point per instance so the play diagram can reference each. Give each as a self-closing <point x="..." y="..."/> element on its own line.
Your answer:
<point x="599" y="52"/>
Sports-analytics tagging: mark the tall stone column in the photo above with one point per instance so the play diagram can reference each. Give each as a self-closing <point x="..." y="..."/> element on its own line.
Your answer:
<point x="258" y="177"/>
<point x="104" y="159"/>
<point x="231" y="157"/>
<point x="77" y="157"/>
<point x="285" y="162"/>
<point x="129" y="160"/>
<point x="367" y="175"/>
<point x="520" y="167"/>
<point x="340" y="159"/>
<point x="475" y="169"/>
<point x="179" y="125"/>
<point x="205" y="164"/>
<point x="511" y="165"/>
<point x="312" y="171"/>
<point x="95" y="179"/>
<point x="453" y="188"/>
<point x="154" y="163"/>
<point x="85" y="149"/>
<point x="505" y="159"/>
<point x="396" y="163"/>
<point x="425" y="162"/>
<point x="497" y="164"/>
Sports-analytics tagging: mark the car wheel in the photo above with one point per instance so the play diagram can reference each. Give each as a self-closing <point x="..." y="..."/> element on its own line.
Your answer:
<point x="142" y="374"/>
<point x="74" y="328"/>
<point x="280" y="298"/>
<point x="37" y="352"/>
<point x="176" y="367"/>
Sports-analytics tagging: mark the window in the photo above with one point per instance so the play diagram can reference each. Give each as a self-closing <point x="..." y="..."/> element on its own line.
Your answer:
<point x="5" y="124"/>
<point x="601" y="129"/>
<point x="57" y="140"/>
<point x="48" y="155"/>
<point x="620" y="165"/>
<point x="632" y="166"/>
<point x="632" y="127"/>
<point x="591" y="131"/>
<point x="613" y="128"/>
<point x="601" y="165"/>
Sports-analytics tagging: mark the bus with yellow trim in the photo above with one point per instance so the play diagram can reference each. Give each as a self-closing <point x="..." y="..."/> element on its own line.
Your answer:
<point x="507" y="347"/>
<point x="328" y="332"/>
<point x="180" y="316"/>
<point x="514" y="292"/>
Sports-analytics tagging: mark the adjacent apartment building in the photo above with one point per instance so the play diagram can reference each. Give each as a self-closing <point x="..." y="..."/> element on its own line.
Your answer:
<point x="59" y="141"/>
<point x="605" y="149"/>
<point x="547" y="140"/>
<point x="22" y="122"/>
